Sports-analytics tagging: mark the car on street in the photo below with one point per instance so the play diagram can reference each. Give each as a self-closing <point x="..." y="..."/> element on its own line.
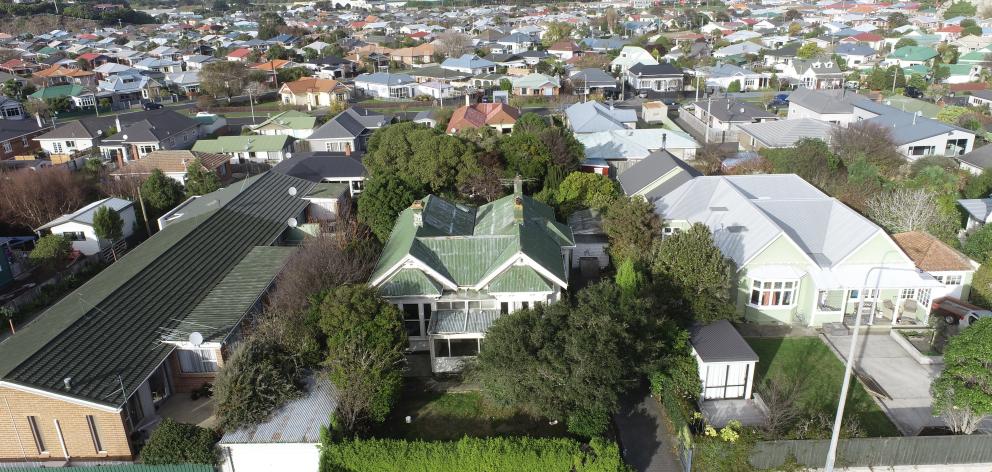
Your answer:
<point x="780" y="101"/>
<point x="151" y="106"/>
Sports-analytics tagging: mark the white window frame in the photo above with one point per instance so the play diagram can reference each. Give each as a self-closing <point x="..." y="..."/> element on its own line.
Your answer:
<point x="57" y="147"/>
<point x="765" y="290"/>
<point x="7" y="147"/>
<point x="954" y="280"/>
<point x="197" y="361"/>
<point x="907" y="294"/>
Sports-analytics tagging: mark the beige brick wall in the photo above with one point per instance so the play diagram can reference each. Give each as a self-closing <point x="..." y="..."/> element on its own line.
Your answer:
<point x="17" y="443"/>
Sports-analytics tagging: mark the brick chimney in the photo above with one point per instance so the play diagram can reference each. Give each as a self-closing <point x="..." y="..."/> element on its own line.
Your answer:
<point x="518" y="209"/>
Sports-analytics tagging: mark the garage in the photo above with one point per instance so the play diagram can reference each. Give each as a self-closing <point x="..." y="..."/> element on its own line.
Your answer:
<point x="726" y="361"/>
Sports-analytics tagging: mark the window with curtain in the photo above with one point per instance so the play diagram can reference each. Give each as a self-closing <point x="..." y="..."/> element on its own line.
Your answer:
<point x="196" y="361"/>
<point x="773" y="292"/>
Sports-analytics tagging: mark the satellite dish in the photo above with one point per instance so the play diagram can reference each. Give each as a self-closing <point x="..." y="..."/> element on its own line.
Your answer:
<point x="289" y="155"/>
<point x="292" y="191"/>
<point x="292" y="222"/>
<point x="195" y="338"/>
<point x="125" y="137"/>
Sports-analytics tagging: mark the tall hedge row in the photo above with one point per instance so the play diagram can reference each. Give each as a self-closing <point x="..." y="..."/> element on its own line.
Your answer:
<point x="503" y="454"/>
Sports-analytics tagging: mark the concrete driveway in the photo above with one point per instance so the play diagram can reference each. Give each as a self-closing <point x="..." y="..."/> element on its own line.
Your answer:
<point x="906" y="381"/>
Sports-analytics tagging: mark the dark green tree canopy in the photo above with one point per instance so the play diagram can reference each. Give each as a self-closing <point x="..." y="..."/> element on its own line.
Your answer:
<point x="632" y="226"/>
<point x="179" y="443"/>
<point x="260" y="376"/>
<point x="161" y="193"/>
<point x="688" y="265"/>
<point x="108" y="224"/>
<point x="963" y="391"/>
<point x="382" y="201"/>
<point x="200" y="180"/>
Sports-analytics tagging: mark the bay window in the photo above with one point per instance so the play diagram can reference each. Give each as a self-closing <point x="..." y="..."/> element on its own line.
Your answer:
<point x="773" y="292"/>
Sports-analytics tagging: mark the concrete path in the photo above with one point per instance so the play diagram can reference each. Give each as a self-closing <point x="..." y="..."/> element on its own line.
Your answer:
<point x="644" y="437"/>
<point x="902" y="378"/>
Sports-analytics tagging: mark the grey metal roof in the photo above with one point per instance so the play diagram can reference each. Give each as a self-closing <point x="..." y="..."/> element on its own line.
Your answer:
<point x="594" y="77"/>
<point x="154" y="126"/>
<point x="729" y="110"/>
<point x="663" y="69"/>
<point x="385" y="78"/>
<point x="112" y="324"/>
<point x="785" y="133"/>
<point x="720" y="342"/>
<point x="826" y="101"/>
<point x="650" y="169"/>
<point x="905" y="128"/>
<point x="348" y="124"/>
<point x="11" y="129"/>
<point x="592" y="116"/>
<point x="978" y="208"/>
<point x="85" y="214"/>
<point x="979" y="157"/>
<point x="297" y="422"/>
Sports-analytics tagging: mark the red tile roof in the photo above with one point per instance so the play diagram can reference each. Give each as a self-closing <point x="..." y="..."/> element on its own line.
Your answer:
<point x="482" y="114"/>
<point x="242" y="52"/>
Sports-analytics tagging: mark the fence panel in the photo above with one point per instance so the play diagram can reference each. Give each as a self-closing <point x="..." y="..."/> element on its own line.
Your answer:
<point x="878" y="452"/>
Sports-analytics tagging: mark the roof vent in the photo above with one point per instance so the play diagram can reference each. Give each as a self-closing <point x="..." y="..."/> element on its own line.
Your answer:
<point x="718" y="208"/>
<point x="68" y="383"/>
<point x="735" y="229"/>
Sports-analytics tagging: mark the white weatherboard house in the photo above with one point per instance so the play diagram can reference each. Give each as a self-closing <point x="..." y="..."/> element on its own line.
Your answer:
<point x="800" y="256"/>
<point x="453" y="270"/>
<point x="78" y="226"/>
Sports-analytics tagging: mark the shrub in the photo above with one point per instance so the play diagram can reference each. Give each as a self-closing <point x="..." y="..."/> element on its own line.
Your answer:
<point x="505" y="454"/>
<point x="259" y="378"/>
<point x="179" y="443"/>
<point x="50" y="251"/>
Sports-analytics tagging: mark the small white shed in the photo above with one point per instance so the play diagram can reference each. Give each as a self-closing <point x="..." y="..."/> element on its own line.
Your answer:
<point x="726" y="361"/>
<point x="77" y="227"/>
<point x="288" y="440"/>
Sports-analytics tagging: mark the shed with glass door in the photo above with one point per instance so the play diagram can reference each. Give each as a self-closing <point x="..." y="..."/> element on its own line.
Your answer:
<point x="726" y="361"/>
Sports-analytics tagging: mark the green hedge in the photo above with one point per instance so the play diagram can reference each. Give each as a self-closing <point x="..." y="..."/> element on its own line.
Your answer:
<point x="504" y="454"/>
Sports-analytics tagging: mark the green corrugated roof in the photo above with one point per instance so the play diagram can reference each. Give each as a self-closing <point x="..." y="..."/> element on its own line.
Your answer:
<point x="519" y="279"/>
<point x="409" y="282"/>
<point x="914" y="53"/>
<point x="466" y="245"/>
<point x="127" y="468"/>
<point x="58" y="91"/>
<point x="229" y="144"/>
<point x="960" y="69"/>
<point x="328" y="190"/>
<point x="113" y="324"/>
<point x="231" y="299"/>
<point x="291" y="119"/>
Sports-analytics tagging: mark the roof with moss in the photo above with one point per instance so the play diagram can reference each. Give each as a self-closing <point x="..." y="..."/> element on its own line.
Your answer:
<point x="512" y="244"/>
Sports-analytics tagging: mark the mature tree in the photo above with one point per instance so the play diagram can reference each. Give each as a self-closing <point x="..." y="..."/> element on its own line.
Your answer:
<point x="952" y="113"/>
<point x="365" y="344"/>
<point x="452" y="43"/>
<point x="908" y="209"/>
<point x="13" y="89"/>
<point x="978" y="246"/>
<point x="963" y="391"/>
<point x="792" y="14"/>
<point x="869" y="140"/>
<point x="268" y="25"/>
<point x="734" y="86"/>
<point x="199" y="179"/>
<point x="960" y="8"/>
<point x="811" y="159"/>
<point x="690" y="266"/>
<point x="260" y="376"/>
<point x="425" y="158"/>
<point x="557" y="31"/>
<point x="569" y="361"/>
<point x="903" y="42"/>
<point x="632" y="226"/>
<point x="50" y="251"/>
<point x="292" y="74"/>
<point x="970" y="28"/>
<point x="161" y="193"/>
<point x="34" y="198"/>
<point x="526" y="155"/>
<point x="530" y="123"/>
<point x="978" y="186"/>
<point x="488" y="184"/>
<point x="897" y="19"/>
<point x="383" y="198"/>
<point x="586" y="190"/>
<point x="108" y="225"/>
<point x="276" y="51"/>
<point x="809" y="51"/>
<point x="223" y="78"/>
<point x="179" y="443"/>
<point x="917" y="81"/>
<point x="981" y="286"/>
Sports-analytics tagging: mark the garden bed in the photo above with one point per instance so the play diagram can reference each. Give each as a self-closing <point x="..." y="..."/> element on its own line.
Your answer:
<point x="921" y="344"/>
<point x="452" y="415"/>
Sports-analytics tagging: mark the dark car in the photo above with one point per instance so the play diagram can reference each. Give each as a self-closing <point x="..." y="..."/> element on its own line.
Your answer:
<point x="780" y="101"/>
<point x="912" y="92"/>
<point x="151" y="106"/>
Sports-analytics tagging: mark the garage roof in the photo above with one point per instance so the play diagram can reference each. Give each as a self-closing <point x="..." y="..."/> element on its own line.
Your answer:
<point x="720" y="342"/>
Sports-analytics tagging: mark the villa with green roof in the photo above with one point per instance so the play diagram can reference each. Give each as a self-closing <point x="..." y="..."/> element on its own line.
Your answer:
<point x="288" y="123"/>
<point x="270" y="149"/>
<point x="453" y="269"/>
<point x="911" y="56"/>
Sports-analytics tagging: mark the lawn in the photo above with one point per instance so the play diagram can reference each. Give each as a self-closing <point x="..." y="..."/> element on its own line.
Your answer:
<point x="809" y="361"/>
<point x="449" y="416"/>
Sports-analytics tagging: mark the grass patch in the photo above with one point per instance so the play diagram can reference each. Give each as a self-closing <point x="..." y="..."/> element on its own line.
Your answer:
<point x="809" y="361"/>
<point x="449" y="416"/>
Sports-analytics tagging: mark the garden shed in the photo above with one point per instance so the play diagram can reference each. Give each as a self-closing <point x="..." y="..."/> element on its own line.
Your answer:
<point x="726" y="361"/>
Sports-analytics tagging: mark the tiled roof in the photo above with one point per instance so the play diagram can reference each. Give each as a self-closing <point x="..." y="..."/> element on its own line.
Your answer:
<point x="311" y="84"/>
<point x="171" y="162"/>
<point x="482" y="114"/>
<point x="931" y="254"/>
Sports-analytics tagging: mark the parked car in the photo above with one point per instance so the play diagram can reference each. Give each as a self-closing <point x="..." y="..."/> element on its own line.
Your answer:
<point x="912" y="92"/>
<point x="781" y="100"/>
<point x="151" y="106"/>
<point x="955" y="311"/>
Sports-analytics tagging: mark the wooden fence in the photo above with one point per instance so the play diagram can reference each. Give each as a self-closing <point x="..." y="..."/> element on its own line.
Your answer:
<point x="878" y="452"/>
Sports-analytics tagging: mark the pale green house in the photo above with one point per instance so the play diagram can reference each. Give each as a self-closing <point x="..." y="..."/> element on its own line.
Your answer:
<point x="802" y="257"/>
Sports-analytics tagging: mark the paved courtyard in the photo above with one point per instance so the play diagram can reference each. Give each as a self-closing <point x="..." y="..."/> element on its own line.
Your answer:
<point x="904" y="380"/>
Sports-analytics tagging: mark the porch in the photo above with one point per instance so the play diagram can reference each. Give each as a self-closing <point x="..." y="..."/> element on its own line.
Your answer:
<point x="893" y="296"/>
<point x="456" y="336"/>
